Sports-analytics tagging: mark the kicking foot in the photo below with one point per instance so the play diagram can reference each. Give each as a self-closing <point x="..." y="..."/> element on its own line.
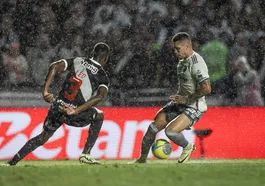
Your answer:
<point x="87" y="159"/>
<point x="185" y="156"/>
<point x="137" y="161"/>
<point x="5" y="164"/>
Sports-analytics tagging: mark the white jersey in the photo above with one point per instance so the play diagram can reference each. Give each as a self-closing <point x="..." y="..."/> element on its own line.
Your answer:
<point x="191" y="72"/>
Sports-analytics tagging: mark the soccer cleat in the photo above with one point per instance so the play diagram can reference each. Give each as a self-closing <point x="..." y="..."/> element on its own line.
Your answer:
<point x="137" y="161"/>
<point x="87" y="159"/>
<point x="5" y="164"/>
<point x="185" y="156"/>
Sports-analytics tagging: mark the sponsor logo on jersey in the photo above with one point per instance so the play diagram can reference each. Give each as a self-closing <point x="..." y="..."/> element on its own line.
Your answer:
<point x="91" y="67"/>
<point x="80" y="74"/>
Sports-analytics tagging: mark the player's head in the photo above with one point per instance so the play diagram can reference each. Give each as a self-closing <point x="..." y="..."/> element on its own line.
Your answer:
<point x="182" y="45"/>
<point x="101" y="53"/>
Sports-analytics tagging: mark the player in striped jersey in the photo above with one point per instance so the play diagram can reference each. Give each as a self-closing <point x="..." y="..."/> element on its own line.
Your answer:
<point x="187" y="106"/>
<point x="85" y="85"/>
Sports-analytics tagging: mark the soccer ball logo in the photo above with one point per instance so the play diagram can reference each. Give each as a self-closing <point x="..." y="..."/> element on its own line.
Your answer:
<point x="161" y="149"/>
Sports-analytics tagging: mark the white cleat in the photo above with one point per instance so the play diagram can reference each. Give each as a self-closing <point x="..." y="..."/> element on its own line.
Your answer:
<point x="87" y="159"/>
<point x="185" y="156"/>
<point x="5" y="165"/>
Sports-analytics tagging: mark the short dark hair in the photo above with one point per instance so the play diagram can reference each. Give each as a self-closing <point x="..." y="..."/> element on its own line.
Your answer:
<point x="101" y="49"/>
<point x="181" y="36"/>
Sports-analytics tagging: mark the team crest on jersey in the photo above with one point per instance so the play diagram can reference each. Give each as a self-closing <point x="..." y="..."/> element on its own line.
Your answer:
<point x="91" y="67"/>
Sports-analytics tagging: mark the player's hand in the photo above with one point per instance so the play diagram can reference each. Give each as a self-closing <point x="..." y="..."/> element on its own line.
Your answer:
<point x="48" y="97"/>
<point x="67" y="109"/>
<point x="179" y="99"/>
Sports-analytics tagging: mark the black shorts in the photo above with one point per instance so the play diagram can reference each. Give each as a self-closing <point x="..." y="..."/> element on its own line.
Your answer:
<point x="173" y="110"/>
<point x="56" y="118"/>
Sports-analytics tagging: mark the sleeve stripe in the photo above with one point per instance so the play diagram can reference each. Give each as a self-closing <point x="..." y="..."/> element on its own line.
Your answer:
<point x="102" y="85"/>
<point x="194" y="59"/>
<point x="65" y="63"/>
<point x="53" y="63"/>
<point x="203" y="79"/>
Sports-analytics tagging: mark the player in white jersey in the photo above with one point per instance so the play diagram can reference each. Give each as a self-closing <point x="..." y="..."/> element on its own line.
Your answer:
<point x="187" y="106"/>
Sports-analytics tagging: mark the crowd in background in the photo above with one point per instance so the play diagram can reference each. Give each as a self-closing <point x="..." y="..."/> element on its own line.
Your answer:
<point x="229" y="34"/>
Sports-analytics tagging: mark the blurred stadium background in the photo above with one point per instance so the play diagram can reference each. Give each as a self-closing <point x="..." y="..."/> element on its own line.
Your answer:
<point x="142" y="70"/>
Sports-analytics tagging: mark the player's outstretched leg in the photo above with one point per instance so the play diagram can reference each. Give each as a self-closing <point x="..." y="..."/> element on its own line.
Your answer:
<point x="94" y="130"/>
<point x="147" y="142"/>
<point x="160" y="122"/>
<point x="30" y="146"/>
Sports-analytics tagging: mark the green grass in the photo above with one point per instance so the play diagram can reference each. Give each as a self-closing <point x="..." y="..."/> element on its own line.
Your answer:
<point x="119" y="173"/>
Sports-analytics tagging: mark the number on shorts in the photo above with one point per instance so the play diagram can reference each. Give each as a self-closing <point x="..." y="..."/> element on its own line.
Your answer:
<point x="74" y="84"/>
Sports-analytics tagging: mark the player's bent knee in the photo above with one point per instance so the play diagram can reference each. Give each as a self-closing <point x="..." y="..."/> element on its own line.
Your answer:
<point x="160" y="120"/>
<point x="100" y="115"/>
<point x="169" y="130"/>
<point x="160" y="124"/>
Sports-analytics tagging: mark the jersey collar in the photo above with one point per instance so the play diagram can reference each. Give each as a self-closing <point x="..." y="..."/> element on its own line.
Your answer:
<point x="188" y="58"/>
<point x="91" y="59"/>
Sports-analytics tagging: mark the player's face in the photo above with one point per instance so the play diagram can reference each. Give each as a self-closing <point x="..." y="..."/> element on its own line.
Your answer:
<point x="105" y="60"/>
<point x="180" y="49"/>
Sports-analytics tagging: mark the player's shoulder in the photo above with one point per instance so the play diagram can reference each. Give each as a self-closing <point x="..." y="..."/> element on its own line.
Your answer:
<point x="78" y="58"/>
<point x="87" y="60"/>
<point x="97" y="65"/>
<point x="196" y="58"/>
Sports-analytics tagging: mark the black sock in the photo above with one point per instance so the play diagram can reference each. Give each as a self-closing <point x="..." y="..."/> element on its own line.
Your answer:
<point x="148" y="140"/>
<point x="30" y="146"/>
<point x="93" y="132"/>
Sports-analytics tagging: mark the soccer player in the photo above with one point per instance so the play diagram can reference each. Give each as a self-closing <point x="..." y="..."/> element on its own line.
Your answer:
<point x="75" y="104"/>
<point x="187" y="106"/>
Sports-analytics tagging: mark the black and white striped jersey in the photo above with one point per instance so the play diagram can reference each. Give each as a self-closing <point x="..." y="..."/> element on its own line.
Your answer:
<point x="83" y="79"/>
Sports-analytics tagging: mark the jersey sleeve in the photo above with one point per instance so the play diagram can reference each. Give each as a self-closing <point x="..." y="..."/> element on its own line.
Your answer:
<point x="103" y="80"/>
<point x="68" y="63"/>
<point x="199" y="70"/>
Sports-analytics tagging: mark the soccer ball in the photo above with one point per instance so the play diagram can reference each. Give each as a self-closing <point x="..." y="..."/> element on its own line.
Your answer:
<point x="161" y="149"/>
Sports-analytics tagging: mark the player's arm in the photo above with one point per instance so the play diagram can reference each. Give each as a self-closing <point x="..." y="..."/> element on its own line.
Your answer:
<point x="199" y="72"/>
<point x="54" y="67"/>
<point x="204" y="89"/>
<point x="101" y="94"/>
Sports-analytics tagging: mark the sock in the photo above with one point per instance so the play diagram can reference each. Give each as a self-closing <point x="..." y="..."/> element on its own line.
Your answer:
<point x="30" y="146"/>
<point x="148" y="140"/>
<point x="177" y="138"/>
<point x="93" y="132"/>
